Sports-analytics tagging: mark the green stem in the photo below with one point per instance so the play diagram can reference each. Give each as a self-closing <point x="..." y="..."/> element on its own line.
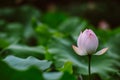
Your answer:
<point x="89" y="66"/>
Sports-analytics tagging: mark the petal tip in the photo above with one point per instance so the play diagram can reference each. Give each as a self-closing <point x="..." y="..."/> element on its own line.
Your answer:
<point x="101" y="51"/>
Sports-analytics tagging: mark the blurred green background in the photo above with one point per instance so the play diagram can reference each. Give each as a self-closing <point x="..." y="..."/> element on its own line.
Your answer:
<point x="36" y="38"/>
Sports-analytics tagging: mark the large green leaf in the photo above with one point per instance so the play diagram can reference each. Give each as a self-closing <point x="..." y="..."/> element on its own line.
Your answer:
<point x="58" y="76"/>
<point x="7" y="73"/>
<point x="25" y="51"/>
<point x="24" y="64"/>
<point x="52" y="75"/>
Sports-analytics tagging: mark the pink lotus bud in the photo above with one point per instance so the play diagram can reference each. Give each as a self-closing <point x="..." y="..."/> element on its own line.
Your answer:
<point x="103" y="25"/>
<point x="87" y="43"/>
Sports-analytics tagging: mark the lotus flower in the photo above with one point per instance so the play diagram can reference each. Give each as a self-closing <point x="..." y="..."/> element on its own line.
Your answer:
<point x="87" y="44"/>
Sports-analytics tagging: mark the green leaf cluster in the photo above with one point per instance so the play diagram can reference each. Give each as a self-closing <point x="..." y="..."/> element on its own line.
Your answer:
<point x="38" y="46"/>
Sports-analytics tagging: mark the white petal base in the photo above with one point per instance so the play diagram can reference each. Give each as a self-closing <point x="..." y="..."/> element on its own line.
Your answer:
<point x="79" y="51"/>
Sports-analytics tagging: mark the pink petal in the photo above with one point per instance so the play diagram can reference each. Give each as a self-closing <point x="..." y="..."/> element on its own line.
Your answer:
<point x="88" y="41"/>
<point x="83" y="39"/>
<point x="91" y="43"/>
<point x="92" y="32"/>
<point x="79" y="51"/>
<point x="79" y="40"/>
<point x="101" y="51"/>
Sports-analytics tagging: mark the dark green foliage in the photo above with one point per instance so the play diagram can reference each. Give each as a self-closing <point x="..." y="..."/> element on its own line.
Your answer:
<point x="38" y="46"/>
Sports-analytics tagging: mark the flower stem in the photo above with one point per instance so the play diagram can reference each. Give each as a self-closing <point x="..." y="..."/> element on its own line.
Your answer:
<point x="89" y="66"/>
